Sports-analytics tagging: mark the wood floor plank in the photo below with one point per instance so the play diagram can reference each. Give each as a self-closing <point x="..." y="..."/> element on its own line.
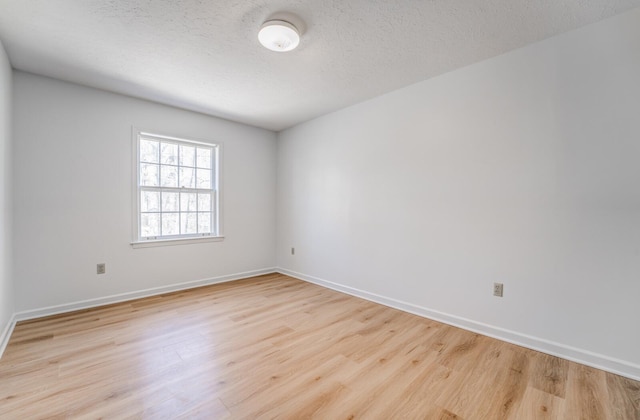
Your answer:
<point x="276" y="347"/>
<point x="552" y="374"/>
<point x="587" y="396"/>
<point x="537" y="404"/>
<point x="624" y="396"/>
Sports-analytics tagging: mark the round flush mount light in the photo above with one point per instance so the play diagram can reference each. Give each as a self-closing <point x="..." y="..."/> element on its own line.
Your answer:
<point x="279" y="35"/>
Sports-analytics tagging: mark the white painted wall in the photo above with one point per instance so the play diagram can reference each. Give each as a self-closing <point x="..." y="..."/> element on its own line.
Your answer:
<point x="522" y="169"/>
<point x="73" y="189"/>
<point x="6" y="281"/>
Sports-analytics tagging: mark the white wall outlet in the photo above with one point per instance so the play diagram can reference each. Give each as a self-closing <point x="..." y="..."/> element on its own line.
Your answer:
<point x="293" y="251"/>
<point x="497" y="289"/>
<point x="101" y="268"/>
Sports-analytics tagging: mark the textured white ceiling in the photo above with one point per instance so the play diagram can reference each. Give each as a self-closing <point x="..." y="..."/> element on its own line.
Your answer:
<point x="204" y="55"/>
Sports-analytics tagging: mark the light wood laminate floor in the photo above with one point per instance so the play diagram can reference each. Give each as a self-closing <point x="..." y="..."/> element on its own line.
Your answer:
<point x="276" y="347"/>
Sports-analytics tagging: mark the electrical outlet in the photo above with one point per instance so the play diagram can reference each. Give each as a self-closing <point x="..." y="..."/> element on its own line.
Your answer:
<point x="497" y="289"/>
<point x="101" y="268"/>
<point x="293" y="251"/>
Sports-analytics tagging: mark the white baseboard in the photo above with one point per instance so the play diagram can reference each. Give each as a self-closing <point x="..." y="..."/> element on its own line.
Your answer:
<point x="6" y="333"/>
<point x="585" y="357"/>
<point x="123" y="297"/>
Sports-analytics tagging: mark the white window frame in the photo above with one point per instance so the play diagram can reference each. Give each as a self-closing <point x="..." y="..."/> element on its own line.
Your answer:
<point x="216" y="192"/>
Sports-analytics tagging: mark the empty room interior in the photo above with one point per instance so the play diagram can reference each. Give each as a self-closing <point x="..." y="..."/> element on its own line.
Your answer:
<point x="320" y="209"/>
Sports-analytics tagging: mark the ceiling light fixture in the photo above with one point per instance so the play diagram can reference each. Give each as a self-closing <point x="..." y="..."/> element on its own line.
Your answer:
<point x="279" y="35"/>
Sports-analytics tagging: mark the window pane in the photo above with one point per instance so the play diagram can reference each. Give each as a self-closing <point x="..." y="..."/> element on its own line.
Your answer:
<point x="187" y="177"/>
<point x="168" y="176"/>
<point x="170" y="224"/>
<point x="188" y="202"/>
<point x="169" y="201"/>
<point x="204" y="222"/>
<point x="149" y="201"/>
<point x="149" y="224"/>
<point x="149" y="151"/>
<point x="148" y="175"/>
<point x="187" y="155"/>
<point x="204" y="202"/>
<point x="204" y="178"/>
<point x="188" y="223"/>
<point x="169" y="153"/>
<point x="176" y="188"/>
<point x="204" y="157"/>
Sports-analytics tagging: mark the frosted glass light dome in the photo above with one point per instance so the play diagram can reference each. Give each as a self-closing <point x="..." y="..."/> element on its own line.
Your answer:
<point x="279" y="35"/>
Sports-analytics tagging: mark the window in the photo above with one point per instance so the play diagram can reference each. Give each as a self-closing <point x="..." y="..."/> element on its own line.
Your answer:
<point x="176" y="189"/>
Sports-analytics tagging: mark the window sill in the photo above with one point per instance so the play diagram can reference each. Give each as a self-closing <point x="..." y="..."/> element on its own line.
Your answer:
<point x="179" y="241"/>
